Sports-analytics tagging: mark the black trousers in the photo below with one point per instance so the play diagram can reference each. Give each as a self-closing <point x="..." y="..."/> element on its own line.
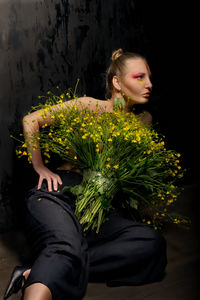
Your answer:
<point x="122" y="253"/>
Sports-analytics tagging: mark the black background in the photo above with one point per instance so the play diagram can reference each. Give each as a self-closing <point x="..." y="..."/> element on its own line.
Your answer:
<point x="44" y="44"/>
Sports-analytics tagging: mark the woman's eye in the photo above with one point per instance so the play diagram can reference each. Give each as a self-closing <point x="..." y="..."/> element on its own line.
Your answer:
<point x="139" y="76"/>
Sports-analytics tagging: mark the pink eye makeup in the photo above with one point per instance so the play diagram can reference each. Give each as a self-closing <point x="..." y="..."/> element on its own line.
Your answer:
<point x="139" y="76"/>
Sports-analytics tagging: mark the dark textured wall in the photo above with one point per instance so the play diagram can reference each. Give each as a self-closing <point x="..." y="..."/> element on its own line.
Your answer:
<point x="54" y="42"/>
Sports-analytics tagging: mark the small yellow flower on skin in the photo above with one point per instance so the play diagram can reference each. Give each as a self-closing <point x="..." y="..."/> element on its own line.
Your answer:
<point x="148" y="222"/>
<point x="109" y="140"/>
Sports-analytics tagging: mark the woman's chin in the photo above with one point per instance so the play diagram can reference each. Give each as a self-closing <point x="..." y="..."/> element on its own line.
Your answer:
<point x="141" y="101"/>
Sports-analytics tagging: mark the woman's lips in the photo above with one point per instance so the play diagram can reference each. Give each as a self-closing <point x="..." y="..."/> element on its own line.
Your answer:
<point x="146" y="95"/>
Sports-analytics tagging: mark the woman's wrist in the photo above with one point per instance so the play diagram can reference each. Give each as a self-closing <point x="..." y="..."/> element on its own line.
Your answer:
<point x="37" y="161"/>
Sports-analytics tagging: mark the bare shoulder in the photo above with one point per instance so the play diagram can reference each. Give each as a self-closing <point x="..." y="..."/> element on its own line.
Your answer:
<point x="93" y="103"/>
<point x="146" y="118"/>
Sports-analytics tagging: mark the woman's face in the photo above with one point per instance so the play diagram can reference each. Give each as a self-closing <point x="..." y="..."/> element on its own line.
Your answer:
<point x="135" y="84"/>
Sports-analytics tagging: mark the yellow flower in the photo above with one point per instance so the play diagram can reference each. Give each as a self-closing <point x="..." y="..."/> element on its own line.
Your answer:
<point x="107" y="166"/>
<point x="116" y="166"/>
<point x="75" y="157"/>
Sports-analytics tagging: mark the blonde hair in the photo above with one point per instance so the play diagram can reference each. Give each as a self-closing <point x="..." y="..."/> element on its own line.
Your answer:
<point x="117" y="66"/>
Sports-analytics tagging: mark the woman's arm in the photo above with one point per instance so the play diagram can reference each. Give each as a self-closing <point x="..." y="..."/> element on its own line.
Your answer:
<point x="32" y="124"/>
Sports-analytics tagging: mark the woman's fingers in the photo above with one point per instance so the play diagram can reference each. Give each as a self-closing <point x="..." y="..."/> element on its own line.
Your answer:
<point x="52" y="180"/>
<point x="59" y="180"/>
<point x="49" y="183"/>
<point x="40" y="182"/>
<point x="55" y="184"/>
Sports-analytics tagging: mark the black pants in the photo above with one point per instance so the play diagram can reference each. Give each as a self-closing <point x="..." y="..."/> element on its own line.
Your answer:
<point x="122" y="253"/>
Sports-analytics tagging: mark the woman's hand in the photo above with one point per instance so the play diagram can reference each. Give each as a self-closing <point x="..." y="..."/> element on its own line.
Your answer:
<point x="50" y="177"/>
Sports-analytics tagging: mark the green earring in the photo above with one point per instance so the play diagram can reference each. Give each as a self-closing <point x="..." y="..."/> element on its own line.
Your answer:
<point x="119" y="103"/>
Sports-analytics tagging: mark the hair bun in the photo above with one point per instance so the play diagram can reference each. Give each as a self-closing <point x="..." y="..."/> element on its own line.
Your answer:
<point x="116" y="54"/>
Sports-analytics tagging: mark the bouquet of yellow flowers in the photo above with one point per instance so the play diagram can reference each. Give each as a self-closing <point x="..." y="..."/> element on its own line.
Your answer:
<point x="116" y="153"/>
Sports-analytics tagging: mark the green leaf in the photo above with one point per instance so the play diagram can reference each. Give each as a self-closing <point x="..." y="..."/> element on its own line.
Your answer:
<point x="133" y="203"/>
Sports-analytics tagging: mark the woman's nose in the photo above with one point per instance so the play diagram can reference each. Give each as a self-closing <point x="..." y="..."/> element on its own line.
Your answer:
<point x="149" y="84"/>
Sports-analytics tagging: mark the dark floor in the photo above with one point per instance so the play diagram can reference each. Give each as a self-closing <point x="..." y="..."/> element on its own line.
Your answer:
<point x="182" y="274"/>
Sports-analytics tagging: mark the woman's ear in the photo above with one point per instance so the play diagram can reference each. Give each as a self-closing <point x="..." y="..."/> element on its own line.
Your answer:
<point x="116" y="83"/>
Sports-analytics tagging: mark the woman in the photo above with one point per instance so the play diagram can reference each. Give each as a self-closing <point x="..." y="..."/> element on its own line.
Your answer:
<point x="123" y="252"/>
